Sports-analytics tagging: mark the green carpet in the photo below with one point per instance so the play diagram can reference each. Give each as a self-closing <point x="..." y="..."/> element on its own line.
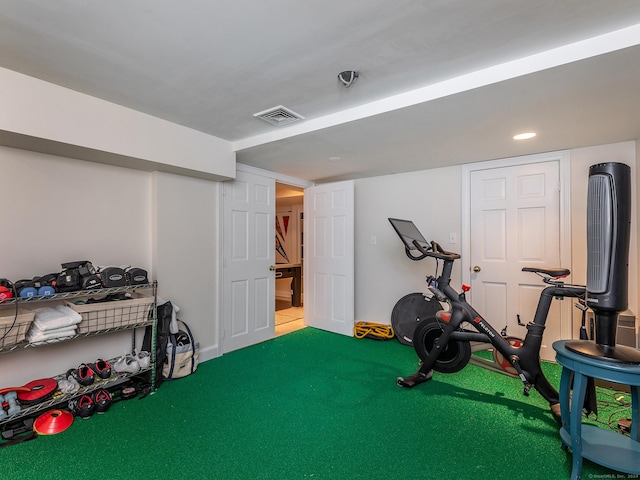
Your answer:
<point x="312" y="405"/>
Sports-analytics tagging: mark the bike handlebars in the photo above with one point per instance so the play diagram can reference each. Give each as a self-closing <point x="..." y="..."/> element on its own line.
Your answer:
<point x="434" y="251"/>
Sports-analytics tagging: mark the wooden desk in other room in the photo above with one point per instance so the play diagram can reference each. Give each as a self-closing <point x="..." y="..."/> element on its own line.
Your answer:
<point x="293" y="271"/>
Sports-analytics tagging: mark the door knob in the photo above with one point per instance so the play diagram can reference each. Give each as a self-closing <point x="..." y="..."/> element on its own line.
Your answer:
<point x="476" y="269"/>
<point x="273" y="268"/>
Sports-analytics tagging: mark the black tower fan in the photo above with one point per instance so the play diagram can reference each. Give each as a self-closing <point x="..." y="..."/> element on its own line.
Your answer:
<point x="608" y="230"/>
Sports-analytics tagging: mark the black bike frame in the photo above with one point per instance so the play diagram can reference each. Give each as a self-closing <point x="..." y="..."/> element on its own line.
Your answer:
<point x="526" y="358"/>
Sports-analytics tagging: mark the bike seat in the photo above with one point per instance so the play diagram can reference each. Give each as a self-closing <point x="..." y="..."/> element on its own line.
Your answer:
<point x="551" y="272"/>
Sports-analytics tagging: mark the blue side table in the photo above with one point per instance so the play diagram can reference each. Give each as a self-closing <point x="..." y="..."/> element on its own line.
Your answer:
<point x="605" y="447"/>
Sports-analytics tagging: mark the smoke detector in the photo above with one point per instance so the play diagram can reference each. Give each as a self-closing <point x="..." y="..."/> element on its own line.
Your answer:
<point x="279" y="116"/>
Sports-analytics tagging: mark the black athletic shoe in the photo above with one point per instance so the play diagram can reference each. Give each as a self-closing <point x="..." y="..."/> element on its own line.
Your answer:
<point x="84" y="375"/>
<point x="102" y="400"/>
<point x="85" y="406"/>
<point x="101" y="368"/>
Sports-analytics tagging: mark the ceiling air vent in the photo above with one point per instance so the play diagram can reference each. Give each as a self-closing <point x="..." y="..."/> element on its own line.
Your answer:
<point x="279" y="116"/>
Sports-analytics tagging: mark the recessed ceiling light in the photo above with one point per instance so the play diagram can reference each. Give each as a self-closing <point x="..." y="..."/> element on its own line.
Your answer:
<point x="335" y="159"/>
<point x="524" y="136"/>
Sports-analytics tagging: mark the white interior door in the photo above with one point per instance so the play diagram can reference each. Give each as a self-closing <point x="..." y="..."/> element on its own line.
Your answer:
<point x="248" y="253"/>
<point x="515" y="222"/>
<point x="329" y="257"/>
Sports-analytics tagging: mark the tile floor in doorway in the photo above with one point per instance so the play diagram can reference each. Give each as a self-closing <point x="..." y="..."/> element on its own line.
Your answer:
<point x="290" y="327"/>
<point x="288" y="319"/>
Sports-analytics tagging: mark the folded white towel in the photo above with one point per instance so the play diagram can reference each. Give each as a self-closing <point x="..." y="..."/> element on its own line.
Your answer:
<point x="54" y="331"/>
<point x="50" y="340"/>
<point x="37" y="336"/>
<point x="56" y="317"/>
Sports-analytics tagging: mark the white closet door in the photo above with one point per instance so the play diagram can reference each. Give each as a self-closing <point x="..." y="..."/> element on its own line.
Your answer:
<point x="515" y="222"/>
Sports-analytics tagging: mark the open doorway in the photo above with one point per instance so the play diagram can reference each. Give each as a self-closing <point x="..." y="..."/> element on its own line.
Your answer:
<point x="289" y="244"/>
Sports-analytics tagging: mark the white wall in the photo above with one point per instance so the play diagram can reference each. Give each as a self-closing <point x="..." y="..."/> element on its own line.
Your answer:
<point x="59" y="210"/>
<point x="431" y="198"/>
<point x="185" y="252"/>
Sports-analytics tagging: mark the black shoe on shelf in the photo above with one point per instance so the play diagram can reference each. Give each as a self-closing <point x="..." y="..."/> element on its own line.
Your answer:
<point x="102" y="400"/>
<point x="85" y="407"/>
<point x="101" y="368"/>
<point x="84" y="375"/>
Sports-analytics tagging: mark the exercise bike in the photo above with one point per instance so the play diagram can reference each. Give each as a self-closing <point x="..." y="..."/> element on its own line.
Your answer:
<point x="443" y="342"/>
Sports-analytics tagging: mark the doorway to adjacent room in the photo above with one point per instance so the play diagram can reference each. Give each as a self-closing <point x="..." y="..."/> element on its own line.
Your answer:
<point x="289" y="314"/>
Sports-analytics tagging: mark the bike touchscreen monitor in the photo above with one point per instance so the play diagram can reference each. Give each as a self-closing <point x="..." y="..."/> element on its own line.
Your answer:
<point x="408" y="232"/>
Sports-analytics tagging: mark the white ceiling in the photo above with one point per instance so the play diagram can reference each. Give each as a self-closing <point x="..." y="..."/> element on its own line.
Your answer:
<point x="442" y="82"/>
